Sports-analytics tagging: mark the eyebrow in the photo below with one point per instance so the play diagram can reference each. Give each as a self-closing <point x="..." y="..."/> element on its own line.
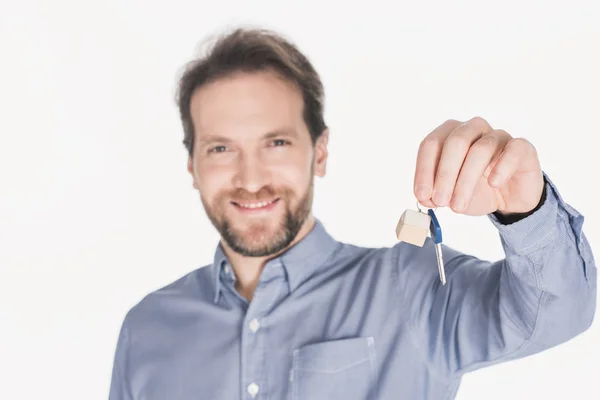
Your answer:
<point x="206" y="138"/>
<point x="209" y="138"/>
<point x="281" y="132"/>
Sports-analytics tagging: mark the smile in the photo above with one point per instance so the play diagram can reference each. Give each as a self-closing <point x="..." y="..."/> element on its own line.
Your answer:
<point x="260" y="206"/>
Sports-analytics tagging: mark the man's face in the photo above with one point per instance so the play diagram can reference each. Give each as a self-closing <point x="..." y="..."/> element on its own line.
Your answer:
<point x="254" y="162"/>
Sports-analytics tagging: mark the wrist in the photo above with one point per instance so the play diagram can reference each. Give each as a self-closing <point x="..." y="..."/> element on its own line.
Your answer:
<point x="511" y="218"/>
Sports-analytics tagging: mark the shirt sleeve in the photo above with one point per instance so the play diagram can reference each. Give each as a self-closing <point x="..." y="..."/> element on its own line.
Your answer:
<point x="541" y="294"/>
<point x="119" y="385"/>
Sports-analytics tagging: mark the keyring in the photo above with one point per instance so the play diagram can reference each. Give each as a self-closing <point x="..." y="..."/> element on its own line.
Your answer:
<point x="419" y="208"/>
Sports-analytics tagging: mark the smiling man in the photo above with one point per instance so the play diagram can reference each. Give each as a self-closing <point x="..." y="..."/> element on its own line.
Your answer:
<point x="253" y="162"/>
<point x="285" y="311"/>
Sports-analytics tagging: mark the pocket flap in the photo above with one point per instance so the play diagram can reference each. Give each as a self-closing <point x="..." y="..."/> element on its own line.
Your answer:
<point x="334" y="355"/>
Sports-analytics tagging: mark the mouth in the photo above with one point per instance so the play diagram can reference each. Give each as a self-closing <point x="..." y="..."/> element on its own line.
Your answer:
<point x="256" y="207"/>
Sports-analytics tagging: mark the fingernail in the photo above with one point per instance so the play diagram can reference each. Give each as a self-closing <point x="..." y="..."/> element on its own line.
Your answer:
<point x="423" y="191"/>
<point x="458" y="204"/>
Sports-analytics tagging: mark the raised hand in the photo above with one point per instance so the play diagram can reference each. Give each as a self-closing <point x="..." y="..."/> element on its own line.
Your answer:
<point x="476" y="170"/>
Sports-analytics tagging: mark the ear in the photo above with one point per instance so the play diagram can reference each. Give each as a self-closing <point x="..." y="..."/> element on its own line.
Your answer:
<point x="190" y="168"/>
<point x="321" y="153"/>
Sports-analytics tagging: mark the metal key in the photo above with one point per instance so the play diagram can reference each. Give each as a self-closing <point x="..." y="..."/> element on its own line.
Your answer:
<point x="436" y="235"/>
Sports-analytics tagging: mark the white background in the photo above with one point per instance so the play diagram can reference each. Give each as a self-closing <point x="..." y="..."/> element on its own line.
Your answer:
<point x="97" y="208"/>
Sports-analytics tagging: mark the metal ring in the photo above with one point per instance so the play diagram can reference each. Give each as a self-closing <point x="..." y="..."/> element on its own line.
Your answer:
<point x="419" y="208"/>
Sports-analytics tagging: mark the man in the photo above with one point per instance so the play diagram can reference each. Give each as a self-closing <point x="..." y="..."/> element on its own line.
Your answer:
<point x="287" y="312"/>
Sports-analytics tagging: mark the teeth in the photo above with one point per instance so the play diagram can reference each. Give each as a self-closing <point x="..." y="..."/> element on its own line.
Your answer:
<point x="255" y="205"/>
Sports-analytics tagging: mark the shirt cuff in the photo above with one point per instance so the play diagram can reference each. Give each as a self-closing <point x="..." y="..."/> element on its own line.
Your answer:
<point x="512" y="218"/>
<point x="539" y="229"/>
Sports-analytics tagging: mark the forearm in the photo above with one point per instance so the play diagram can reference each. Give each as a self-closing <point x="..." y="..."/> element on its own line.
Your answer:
<point x="541" y="294"/>
<point x="550" y="269"/>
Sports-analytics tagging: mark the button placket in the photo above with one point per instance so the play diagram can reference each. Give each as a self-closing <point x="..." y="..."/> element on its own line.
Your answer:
<point x="252" y="344"/>
<point x="266" y="293"/>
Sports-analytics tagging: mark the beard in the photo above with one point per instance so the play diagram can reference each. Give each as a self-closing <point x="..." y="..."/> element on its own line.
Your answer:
<point x="258" y="239"/>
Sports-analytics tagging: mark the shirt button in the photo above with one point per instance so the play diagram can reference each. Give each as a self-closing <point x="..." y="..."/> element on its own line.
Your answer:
<point x="227" y="269"/>
<point x="253" y="389"/>
<point x="254" y="325"/>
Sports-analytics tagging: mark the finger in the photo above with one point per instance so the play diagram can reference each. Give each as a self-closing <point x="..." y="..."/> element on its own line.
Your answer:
<point x="427" y="203"/>
<point x="427" y="160"/>
<point x="514" y="151"/>
<point x="481" y="154"/>
<point x="454" y="151"/>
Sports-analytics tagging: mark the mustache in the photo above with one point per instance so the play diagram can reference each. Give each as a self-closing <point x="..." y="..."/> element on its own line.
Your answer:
<point x="264" y="194"/>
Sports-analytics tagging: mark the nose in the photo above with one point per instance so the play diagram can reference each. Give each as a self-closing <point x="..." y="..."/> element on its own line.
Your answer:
<point x="252" y="173"/>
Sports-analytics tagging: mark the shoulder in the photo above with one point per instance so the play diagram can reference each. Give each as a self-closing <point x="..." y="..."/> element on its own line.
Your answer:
<point x="398" y="254"/>
<point x="192" y="288"/>
<point x="374" y="262"/>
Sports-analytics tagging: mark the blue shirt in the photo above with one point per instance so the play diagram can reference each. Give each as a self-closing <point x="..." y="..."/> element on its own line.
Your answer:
<point x="331" y="320"/>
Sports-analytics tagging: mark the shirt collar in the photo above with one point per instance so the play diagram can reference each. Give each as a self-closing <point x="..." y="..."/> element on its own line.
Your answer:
<point x="299" y="261"/>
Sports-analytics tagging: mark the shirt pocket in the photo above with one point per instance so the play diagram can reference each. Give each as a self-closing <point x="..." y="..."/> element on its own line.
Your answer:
<point x="336" y="369"/>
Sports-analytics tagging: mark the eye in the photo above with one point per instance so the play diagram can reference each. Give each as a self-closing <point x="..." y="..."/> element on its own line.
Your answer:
<point x="280" y="142"/>
<point x="217" y="149"/>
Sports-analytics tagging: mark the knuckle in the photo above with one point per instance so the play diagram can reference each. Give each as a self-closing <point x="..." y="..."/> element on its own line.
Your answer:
<point x="430" y="144"/>
<point x="479" y="123"/>
<point x="502" y="133"/>
<point x="519" y="142"/>
<point x="487" y="142"/>
<point x="422" y="169"/>
<point x="522" y="144"/>
<point x="443" y="175"/>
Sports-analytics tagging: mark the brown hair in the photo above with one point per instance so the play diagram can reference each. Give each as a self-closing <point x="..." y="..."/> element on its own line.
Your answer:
<point x="252" y="50"/>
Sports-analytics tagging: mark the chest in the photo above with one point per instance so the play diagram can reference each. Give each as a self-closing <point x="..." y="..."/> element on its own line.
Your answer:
<point x="335" y="340"/>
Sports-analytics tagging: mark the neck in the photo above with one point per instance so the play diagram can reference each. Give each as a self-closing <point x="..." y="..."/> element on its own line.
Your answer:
<point x="248" y="269"/>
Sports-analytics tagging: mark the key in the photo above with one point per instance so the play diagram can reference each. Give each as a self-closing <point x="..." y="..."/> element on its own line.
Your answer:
<point x="413" y="227"/>
<point x="436" y="235"/>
